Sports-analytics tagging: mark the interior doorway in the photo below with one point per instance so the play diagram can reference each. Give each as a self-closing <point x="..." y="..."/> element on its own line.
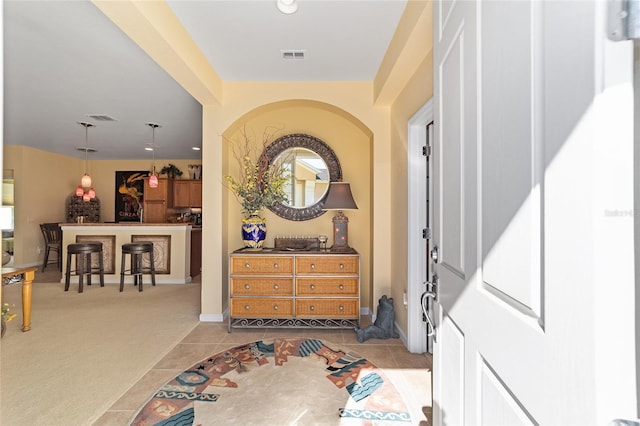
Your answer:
<point x="417" y="229"/>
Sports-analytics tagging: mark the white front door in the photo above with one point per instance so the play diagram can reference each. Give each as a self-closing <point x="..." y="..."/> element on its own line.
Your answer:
<point x="533" y="185"/>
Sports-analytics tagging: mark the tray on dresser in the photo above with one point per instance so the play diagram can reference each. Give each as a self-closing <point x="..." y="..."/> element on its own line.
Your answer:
<point x="267" y="250"/>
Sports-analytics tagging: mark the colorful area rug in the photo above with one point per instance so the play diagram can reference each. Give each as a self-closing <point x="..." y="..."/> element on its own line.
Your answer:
<point x="283" y="382"/>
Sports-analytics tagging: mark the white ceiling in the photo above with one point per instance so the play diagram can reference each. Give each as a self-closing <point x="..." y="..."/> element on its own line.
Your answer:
<point x="65" y="59"/>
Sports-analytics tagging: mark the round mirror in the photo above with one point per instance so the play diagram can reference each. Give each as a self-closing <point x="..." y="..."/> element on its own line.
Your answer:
<point x="312" y="164"/>
<point x="308" y="176"/>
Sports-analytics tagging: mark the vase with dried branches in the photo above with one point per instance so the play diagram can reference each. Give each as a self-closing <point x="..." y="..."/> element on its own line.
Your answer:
<point x="258" y="185"/>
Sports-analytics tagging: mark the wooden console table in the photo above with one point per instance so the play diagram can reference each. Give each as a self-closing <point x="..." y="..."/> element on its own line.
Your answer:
<point x="27" y="274"/>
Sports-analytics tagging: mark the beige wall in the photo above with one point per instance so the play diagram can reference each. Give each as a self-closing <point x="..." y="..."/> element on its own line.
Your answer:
<point x="416" y="93"/>
<point x="44" y="180"/>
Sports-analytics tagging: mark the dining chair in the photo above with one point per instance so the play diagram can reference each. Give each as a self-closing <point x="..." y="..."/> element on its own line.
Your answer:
<point x="53" y="242"/>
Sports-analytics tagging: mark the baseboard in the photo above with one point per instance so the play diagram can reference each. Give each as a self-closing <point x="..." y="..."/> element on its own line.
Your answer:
<point x="215" y="317"/>
<point x="403" y="337"/>
<point x="212" y="317"/>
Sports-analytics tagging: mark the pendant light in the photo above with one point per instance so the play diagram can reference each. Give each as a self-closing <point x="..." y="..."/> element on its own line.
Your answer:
<point x="153" y="179"/>
<point x="85" y="190"/>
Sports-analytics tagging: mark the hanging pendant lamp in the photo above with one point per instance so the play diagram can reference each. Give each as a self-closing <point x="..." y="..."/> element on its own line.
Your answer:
<point x="153" y="179"/>
<point x="85" y="190"/>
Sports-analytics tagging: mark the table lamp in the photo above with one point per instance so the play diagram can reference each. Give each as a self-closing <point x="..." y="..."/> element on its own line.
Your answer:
<point x="339" y="198"/>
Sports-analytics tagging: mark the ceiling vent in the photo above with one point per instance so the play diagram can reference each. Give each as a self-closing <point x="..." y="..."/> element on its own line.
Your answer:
<point x="292" y="54"/>
<point x="86" y="149"/>
<point x="101" y="117"/>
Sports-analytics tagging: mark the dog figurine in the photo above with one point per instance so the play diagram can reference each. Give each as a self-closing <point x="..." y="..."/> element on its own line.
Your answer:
<point x="383" y="326"/>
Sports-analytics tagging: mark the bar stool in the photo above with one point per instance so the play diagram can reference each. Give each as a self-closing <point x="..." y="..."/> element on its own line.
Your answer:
<point x="136" y="250"/>
<point x="83" y="252"/>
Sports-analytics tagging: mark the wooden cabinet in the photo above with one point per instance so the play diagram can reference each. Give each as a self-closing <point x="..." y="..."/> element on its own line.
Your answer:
<point x="195" y="193"/>
<point x="196" y="252"/>
<point x="187" y="193"/>
<point x="157" y="200"/>
<point x="155" y="212"/>
<point x="164" y="191"/>
<point x="318" y="289"/>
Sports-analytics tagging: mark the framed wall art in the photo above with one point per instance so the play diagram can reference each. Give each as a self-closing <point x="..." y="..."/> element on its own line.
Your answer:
<point x="129" y="195"/>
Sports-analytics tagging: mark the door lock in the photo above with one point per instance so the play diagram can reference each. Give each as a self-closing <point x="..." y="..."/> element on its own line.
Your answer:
<point x="434" y="254"/>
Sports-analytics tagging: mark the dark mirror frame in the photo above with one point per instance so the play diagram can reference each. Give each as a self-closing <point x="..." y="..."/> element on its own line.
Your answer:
<point x="299" y="140"/>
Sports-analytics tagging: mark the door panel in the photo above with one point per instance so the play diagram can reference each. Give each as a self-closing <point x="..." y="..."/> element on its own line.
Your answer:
<point x="511" y="163"/>
<point x="494" y="393"/>
<point x="530" y="100"/>
<point x="454" y="211"/>
<point x="449" y="376"/>
<point x="451" y="180"/>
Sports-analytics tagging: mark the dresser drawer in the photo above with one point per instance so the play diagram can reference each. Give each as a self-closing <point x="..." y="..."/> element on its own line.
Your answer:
<point x="254" y="265"/>
<point x="261" y="307"/>
<point x="327" y="265"/>
<point x="327" y="308"/>
<point x="250" y="286"/>
<point x="327" y="287"/>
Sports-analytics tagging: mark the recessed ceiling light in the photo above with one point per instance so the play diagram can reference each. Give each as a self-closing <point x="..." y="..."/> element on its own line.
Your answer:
<point x="148" y="148"/>
<point x="287" y="6"/>
<point x="195" y="148"/>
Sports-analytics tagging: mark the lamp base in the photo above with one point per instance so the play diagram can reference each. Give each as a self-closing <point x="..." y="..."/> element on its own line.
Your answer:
<point x="340" y="233"/>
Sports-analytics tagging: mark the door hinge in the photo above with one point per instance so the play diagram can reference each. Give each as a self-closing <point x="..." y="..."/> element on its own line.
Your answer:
<point x="623" y="20"/>
<point x="426" y="233"/>
<point x="426" y="150"/>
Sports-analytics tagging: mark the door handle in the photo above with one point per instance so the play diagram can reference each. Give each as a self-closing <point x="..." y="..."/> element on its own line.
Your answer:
<point x="431" y="293"/>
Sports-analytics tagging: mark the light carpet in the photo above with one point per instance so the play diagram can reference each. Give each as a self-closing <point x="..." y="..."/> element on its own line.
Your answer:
<point x="283" y="381"/>
<point x="86" y="349"/>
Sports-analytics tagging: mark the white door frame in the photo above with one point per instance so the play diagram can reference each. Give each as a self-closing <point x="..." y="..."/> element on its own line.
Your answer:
<point x="416" y="221"/>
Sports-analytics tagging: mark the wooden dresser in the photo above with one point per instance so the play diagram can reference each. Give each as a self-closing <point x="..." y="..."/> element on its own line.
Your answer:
<point x="272" y="288"/>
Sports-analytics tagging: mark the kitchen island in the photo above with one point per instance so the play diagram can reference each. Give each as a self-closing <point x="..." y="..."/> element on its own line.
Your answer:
<point x="171" y="244"/>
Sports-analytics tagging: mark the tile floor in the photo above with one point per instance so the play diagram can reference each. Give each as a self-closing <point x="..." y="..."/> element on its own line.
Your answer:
<point x="209" y="338"/>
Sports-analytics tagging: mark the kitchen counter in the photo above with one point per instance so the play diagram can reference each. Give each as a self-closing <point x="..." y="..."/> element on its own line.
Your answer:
<point x="172" y="247"/>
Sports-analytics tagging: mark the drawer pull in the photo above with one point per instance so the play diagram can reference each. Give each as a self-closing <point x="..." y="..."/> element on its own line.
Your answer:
<point x="312" y="308"/>
<point x="275" y="266"/>
<point x="341" y="308"/>
<point x="276" y="286"/>
<point x="312" y="287"/>
<point x="313" y="266"/>
<point x="247" y="286"/>
<point x="341" y="287"/>
<point x="342" y="266"/>
<point x="246" y="265"/>
<point x="247" y="307"/>
<point x="275" y="307"/>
